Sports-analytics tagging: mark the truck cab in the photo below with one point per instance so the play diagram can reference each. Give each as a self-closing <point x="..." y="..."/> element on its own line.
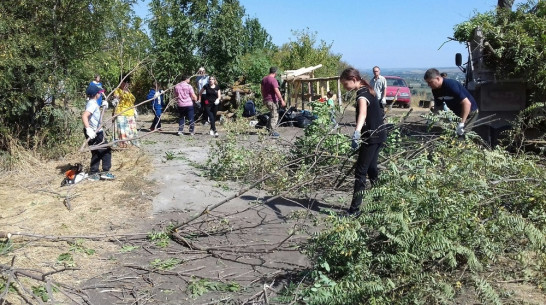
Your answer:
<point x="498" y="100"/>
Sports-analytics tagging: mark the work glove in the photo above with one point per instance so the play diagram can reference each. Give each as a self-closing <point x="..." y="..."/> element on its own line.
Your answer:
<point x="90" y="133"/>
<point x="460" y="129"/>
<point x="217" y="102"/>
<point x="356" y="140"/>
<point x="105" y="104"/>
<point x="115" y="102"/>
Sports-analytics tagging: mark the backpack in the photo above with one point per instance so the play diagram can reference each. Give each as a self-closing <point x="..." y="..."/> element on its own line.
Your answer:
<point x="249" y="109"/>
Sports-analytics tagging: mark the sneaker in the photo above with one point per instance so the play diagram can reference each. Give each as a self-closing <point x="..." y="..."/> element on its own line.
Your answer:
<point x="192" y="133"/>
<point x="211" y="132"/>
<point x="275" y="134"/>
<point x="94" y="177"/>
<point x="180" y="132"/>
<point x="353" y="213"/>
<point x="159" y="129"/>
<point x="107" y="176"/>
<point x="216" y="133"/>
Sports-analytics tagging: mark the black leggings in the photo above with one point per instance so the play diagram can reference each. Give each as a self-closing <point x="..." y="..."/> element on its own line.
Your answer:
<point x="366" y="164"/>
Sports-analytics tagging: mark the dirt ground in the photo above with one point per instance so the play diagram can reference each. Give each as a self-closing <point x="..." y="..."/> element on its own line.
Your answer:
<point x="103" y="243"/>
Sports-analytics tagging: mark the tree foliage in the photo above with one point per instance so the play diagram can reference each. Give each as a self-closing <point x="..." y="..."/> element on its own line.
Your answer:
<point x="50" y="52"/>
<point x="306" y="51"/>
<point x="518" y="42"/>
<point x="188" y="34"/>
<point x="454" y="207"/>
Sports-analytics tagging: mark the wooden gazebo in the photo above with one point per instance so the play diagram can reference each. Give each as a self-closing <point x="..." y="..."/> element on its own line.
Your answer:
<point x="301" y="85"/>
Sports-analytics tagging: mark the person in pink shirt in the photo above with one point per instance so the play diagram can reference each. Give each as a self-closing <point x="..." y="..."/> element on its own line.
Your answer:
<point x="185" y="96"/>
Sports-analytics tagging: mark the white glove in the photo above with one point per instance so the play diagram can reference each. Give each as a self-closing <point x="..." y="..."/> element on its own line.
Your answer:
<point x="115" y="102"/>
<point x="355" y="140"/>
<point x="90" y="133"/>
<point x="217" y="102"/>
<point x="136" y="114"/>
<point x="105" y="104"/>
<point x="460" y="129"/>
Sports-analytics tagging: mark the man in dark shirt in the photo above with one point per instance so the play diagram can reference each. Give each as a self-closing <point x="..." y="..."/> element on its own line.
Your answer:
<point x="271" y="98"/>
<point x="455" y="96"/>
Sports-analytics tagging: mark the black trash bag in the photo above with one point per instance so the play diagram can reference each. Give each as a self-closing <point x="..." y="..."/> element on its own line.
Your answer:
<point x="263" y="120"/>
<point x="302" y="121"/>
<point x="287" y="117"/>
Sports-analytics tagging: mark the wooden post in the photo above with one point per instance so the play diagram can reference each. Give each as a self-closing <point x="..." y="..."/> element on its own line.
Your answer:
<point x="339" y="99"/>
<point x="302" y="96"/>
<point x="287" y="98"/>
<point x="312" y="92"/>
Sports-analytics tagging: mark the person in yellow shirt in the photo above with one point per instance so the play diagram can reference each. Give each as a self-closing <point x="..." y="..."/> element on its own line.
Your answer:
<point x="126" y="127"/>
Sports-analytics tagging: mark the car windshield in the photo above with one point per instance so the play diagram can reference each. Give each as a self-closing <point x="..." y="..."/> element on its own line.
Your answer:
<point x="396" y="82"/>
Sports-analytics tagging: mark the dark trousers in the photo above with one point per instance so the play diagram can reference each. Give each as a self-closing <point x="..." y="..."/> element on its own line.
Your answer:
<point x="98" y="155"/>
<point x="366" y="164"/>
<point x="210" y="110"/>
<point x="157" y="120"/>
<point x="186" y="112"/>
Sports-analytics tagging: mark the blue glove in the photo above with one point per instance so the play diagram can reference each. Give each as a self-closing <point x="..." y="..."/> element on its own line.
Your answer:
<point x="355" y="142"/>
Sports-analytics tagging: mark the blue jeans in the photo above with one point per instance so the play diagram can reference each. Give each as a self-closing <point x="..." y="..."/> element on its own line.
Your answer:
<point x="186" y="112"/>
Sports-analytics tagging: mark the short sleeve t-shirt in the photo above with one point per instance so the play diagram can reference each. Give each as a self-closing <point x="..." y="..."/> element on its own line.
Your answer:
<point x="93" y="108"/>
<point x="374" y="131"/>
<point x="211" y="94"/>
<point x="452" y="93"/>
<point x="379" y="86"/>
<point x="183" y="93"/>
<point x="269" y="83"/>
<point x="201" y="81"/>
<point x="126" y="102"/>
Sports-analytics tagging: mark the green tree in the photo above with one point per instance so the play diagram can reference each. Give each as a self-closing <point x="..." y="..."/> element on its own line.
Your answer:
<point x="305" y="51"/>
<point x="255" y="37"/>
<point x="49" y="48"/>
<point x="222" y="45"/>
<point x="175" y="30"/>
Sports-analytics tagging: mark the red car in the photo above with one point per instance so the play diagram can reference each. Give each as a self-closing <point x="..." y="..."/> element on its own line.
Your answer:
<point x="398" y="91"/>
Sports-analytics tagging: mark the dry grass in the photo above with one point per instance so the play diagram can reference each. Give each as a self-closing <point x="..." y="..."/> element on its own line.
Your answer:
<point x="32" y="201"/>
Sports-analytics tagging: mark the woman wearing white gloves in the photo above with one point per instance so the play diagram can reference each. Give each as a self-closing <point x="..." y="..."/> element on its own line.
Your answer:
<point x="212" y="97"/>
<point x="369" y="134"/>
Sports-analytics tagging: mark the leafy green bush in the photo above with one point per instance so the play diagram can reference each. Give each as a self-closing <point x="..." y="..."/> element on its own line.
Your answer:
<point x="242" y="157"/>
<point x="454" y="207"/>
<point x="323" y="136"/>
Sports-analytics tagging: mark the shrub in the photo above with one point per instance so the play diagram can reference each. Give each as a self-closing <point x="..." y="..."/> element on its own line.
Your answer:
<point x="454" y="207"/>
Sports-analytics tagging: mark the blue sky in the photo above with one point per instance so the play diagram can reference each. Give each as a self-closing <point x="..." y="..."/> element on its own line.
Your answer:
<point x="387" y="33"/>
